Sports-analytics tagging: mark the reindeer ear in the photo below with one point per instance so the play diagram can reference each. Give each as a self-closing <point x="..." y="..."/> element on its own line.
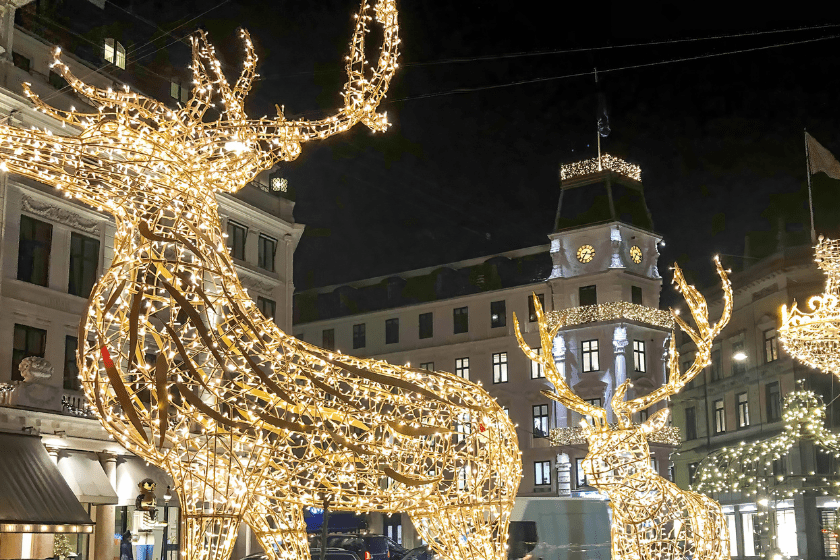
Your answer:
<point x="656" y="422"/>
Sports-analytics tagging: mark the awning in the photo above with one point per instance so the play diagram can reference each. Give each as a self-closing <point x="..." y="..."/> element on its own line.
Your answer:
<point x="34" y="497"/>
<point x="131" y="471"/>
<point x="86" y="478"/>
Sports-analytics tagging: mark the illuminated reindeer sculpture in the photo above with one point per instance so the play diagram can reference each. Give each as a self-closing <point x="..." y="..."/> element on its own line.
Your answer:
<point x="652" y="519"/>
<point x="184" y="370"/>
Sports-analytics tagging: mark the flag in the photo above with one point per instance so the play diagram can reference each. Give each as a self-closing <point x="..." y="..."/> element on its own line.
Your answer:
<point x="820" y="159"/>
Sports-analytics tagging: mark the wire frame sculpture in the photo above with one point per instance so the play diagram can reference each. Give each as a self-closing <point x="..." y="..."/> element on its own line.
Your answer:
<point x="814" y="338"/>
<point x="183" y="369"/>
<point x="652" y="519"/>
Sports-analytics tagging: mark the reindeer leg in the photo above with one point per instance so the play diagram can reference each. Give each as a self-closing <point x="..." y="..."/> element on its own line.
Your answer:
<point x="279" y="528"/>
<point x="465" y="532"/>
<point x="209" y="536"/>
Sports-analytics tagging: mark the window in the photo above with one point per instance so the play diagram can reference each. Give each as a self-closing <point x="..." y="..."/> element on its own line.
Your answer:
<point x="497" y="314"/>
<point x="828" y="528"/>
<point x="639" y="355"/>
<point x="84" y="262"/>
<point x="236" y="239"/>
<point x="654" y="463"/>
<point x="733" y="535"/>
<point x="532" y="310"/>
<point x="428" y="366"/>
<point x="636" y="295"/>
<point x="771" y="346"/>
<point x="115" y="52"/>
<point x="774" y="401"/>
<point x="268" y="307"/>
<point x="461" y="320"/>
<point x="463" y="427"/>
<point x="500" y="367"/>
<point x="738" y="366"/>
<point x="178" y="91"/>
<point x="716" y="370"/>
<point x="751" y="532"/>
<point x="786" y="531"/>
<point x="692" y="472"/>
<point x="690" y="423"/>
<point x="359" y="335"/>
<point x="28" y="341"/>
<point x="643" y="416"/>
<point x="587" y="296"/>
<point x="542" y="473"/>
<point x="426" y="327"/>
<point x="720" y="417"/>
<point x="34" y="251"/>
<point x="392" y="331"/>
<point x="267" y="249"/>
<point x="536" y="367"/>
<point x="71" y="368"/>
<point x="580" y="475"/>
<point x="540" y="420"/>
<point x="743" y="410"/>
<point x="589" y="355"/>
<point x="328" y="339"/>
<point x="21" y="61"/>
<point x="462" y="367"/>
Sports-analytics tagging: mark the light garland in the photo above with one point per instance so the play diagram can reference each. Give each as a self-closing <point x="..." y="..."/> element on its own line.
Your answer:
<point x="652" y="518"/>
<point x="748" y="467"/>
<point x="590" y="166"/>
<point x="576" y="435"/>
<point x="814" y="338"/>
<point x="184" y="370"/>
<point x="610" y="311"/>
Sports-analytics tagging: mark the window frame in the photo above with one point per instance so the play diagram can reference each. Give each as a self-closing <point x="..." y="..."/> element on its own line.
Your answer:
<point x="639" y="360"/>
<point x="719" y="416"/>
<point x="328" y="339"/>
<point x="542" y="473"/>
<point x="32" y="246"/>
<point x="500" y="367"/>
<point x="84" y="276"/>
<point x="771" y="346"/>
<point x="743" y="409"/>
<point x="540" y="414"/>
<point x="590" y="293"/>
<point x="264" y="304"/>
<point x="19" y="354"/>
<point x="392" y="330"/>
<point x="690" y="423"/>
<point x="233" y="225"/>
<point x="634" y="292"/>
<point x="359" y="336"/>
<point x="587" y="352"/>
<point x="773" y="397"/>
<point x="462" y="366"/>
<point x="426" y="330"/>
<point x="580" y="474"/>
<point x="263" y="256"/>
<point x="428" y="366"/>
<point x="70" y="376"/>
<point x="461" y="320"/>
<point x="498" y="314"/>
<point x="532" y="309"/>
<point x="738" y="366"/>
<point x="537" y="371"/>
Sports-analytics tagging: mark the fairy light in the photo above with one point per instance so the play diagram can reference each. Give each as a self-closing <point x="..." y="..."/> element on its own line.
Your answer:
<point x="575" y="435"/>
<point x="590" y="166"/>
<point x="610" y="311"/>
<point x="184" y="371"/>
<point x="814" y="338"/>
<point x="651" y="516"/>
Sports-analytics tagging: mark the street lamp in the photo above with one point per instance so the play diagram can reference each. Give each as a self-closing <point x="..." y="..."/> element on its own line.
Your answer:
<point x="166" y="497"/>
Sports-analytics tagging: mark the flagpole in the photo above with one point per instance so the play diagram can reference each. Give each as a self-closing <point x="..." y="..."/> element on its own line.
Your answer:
<point x="810" y="199"/>
<point x="597" y="131"/>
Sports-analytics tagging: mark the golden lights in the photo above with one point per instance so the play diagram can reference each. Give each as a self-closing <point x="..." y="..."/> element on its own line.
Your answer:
<point x="610" y="311"/>
<point x="814" y="338"/>
<point x="183" y="369"/>
<point x="590" y="166"/>
<point x="652" y="517"/>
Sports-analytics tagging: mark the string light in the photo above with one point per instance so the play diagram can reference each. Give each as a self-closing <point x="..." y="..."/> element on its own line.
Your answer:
<point x="575" y="435"/>
<point x="610" y="311"/>
<point x="589" y="166"/>
<point x="814" y="338"/>
<point x="183" y="369"/>
<point x="651" y="517"/>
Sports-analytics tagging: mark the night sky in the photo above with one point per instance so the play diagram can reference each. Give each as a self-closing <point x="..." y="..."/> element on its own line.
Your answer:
<point x="465" y="174"/>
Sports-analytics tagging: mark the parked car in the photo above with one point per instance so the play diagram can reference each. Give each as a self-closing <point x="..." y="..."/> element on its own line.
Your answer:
<point x="314" y="554"/>
<point x="367" y="547"/>
<point x="421" y="553"/>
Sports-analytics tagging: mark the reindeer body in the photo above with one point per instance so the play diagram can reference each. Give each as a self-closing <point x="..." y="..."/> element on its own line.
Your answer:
<point x="184" y="370"/>
<point x="652" y="519"/>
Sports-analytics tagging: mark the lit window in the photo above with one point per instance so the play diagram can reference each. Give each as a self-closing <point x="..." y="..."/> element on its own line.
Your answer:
<point x="771" y="346"/>
<point x="109" y="50"/>
<point x="536" y="367"/>
<point x="738" y="365"/>
<point x="639" y="355"/>
<point x="743" y="411"/>
<point x="589" y="355"/>
<point x="720" y="417"/>
<point x="463" y="427"/>
<point x="733" y="535"/>
<point x="580" y="474"/>
<point x="428" y="366"/>
<point x="786" y="532"/>
<point x="542" y="473"/>
<point x="114" y="53"/>
<point x="500" y="367"/>
<point x="497" y="314"/>
<point x="751" y="533"/>
<point x="462" y="367"/>
<point x="177" y="91"/>
<point x="540" y="420"/>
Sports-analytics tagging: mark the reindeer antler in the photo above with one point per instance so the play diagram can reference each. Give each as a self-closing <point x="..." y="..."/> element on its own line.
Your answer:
<point x="563" y="393"/>
<point x="703" y="338"/>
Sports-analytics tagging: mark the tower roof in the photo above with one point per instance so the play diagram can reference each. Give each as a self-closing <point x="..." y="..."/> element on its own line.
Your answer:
<point x="593" y="191"/>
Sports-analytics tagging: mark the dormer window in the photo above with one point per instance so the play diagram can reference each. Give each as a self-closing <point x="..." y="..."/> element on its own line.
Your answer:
<point x="178" y="91"/>
<point x="115" y="53"/>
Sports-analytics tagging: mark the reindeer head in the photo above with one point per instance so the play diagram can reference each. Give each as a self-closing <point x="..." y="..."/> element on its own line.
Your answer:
<point x="136" y="156"/>
<point x="615" y="454"/>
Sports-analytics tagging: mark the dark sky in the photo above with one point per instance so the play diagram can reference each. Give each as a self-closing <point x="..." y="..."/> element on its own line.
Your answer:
<point x="460" y="175"/>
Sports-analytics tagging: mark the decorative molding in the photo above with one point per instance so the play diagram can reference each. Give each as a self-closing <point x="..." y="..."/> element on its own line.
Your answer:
<point x="255" y="285"/>
<point x="59" y="215"/>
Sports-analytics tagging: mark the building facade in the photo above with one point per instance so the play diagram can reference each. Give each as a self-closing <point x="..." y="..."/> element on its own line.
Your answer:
<point x="599" y="267"/>
<point x="52" y="251"/>
<point x="739" y="400"/>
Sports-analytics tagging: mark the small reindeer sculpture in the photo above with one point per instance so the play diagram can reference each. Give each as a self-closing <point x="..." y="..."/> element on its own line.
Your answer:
<point x="652" y="518"/>
<point x="183" y="369"/>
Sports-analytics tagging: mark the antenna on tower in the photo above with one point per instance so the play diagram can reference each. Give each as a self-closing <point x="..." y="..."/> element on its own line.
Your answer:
<point x="603" y="120"/>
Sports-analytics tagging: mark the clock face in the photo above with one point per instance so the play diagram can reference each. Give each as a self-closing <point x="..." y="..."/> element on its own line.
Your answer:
<point x="635" y="254"/>
<point x="585" y="253"/>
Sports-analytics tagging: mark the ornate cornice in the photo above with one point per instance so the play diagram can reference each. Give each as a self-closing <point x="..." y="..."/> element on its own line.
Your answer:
<point x="59" y="215"/>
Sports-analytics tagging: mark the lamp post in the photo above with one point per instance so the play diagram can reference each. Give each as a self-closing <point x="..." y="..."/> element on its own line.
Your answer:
<point x="166" y="497"/>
